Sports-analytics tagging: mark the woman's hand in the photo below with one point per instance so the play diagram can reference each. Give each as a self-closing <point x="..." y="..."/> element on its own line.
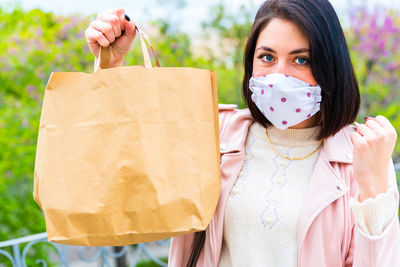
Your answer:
<point x="373" y="143"/>
<point x="107" y="30"/>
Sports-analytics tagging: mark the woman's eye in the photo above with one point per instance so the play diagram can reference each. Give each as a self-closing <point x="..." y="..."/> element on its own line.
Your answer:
<point x="267" y="58"/>
<point x="302" y="60"/>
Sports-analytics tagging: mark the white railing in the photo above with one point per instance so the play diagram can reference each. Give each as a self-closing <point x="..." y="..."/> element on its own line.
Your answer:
<point x="69" y="256"/>
<point x="106" y="256"/>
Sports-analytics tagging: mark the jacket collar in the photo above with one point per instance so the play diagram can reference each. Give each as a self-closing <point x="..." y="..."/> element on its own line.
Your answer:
<point x="337" y="148"/>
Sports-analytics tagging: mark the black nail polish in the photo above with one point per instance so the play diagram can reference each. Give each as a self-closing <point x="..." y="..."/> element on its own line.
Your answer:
<point x="367" y="117"/>
<point x="128" y="19"/>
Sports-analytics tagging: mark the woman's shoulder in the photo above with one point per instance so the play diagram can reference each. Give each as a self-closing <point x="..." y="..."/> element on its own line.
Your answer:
<point x="233" y="109"/>
<point x="232" y="121"/>
<point x="230" y="113"/>
<point x="342" y="137"/>
<point x="222" y="107"/>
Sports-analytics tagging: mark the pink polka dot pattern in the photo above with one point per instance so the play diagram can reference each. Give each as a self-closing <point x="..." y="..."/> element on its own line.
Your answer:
<point x="282" y="106"/>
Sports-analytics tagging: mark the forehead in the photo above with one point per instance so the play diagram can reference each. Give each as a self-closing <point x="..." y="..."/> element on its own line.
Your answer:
<point x="282" y="35"/>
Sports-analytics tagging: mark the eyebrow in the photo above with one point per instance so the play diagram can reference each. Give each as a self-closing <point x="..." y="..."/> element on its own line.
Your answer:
<point x="297" y="51"/>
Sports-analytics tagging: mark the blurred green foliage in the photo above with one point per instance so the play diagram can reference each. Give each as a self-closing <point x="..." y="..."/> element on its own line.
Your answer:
<point x="36" y="43"/>
<point x="149" y="263"/>
<point x="374" y="39"/>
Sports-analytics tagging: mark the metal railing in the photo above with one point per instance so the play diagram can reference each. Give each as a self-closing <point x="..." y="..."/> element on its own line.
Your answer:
<point x="103" y="256"/>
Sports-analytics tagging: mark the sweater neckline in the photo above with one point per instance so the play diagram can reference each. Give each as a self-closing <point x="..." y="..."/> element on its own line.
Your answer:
<point x="287" y="137"/>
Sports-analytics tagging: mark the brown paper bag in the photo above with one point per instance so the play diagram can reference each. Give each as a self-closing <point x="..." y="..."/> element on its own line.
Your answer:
<point x="127" y="155"/>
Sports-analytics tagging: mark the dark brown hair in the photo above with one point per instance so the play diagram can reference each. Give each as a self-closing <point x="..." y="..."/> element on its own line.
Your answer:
<point x="330" y="65"/>
<point x="330" y="61"/>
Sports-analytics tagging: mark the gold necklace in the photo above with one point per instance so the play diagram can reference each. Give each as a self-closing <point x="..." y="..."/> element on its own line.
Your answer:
<point x="283" y="156"/>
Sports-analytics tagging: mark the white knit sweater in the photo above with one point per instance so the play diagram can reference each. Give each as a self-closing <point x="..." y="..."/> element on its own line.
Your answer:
<point x="263" y="208"/>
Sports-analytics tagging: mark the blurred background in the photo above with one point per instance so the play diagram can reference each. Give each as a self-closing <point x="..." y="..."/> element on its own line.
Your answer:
<point x="38" y="37"/>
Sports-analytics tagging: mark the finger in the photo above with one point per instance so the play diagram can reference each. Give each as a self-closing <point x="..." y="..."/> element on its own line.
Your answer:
<point x="388" y="127"/>
<point x="363" y="130"/>
<point x="104" y="28"/>
<point x="119" y="12"/>
<point x="383" y="121"/>
<point x="373" y="124"/>
<point x="113" y="20"/>
<point x="95" y="36"/>
<point x="357" y="139"/>
<point x="130" y="30"/>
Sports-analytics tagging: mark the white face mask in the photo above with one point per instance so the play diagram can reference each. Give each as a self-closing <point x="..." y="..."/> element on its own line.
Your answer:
<point x="284" y="100"/>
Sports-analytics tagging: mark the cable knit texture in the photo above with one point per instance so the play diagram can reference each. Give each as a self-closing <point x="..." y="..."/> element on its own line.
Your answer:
<point x="262" y="211"/>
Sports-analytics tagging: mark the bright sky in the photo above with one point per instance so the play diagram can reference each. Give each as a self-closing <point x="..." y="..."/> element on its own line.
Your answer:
<point x="192" y="15"/>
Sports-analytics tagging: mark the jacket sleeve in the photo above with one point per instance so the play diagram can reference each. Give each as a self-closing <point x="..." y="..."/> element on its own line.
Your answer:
<point x="383" y="249"/>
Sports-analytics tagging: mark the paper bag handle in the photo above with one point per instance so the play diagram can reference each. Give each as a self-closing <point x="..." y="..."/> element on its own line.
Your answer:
<point x="105" y="52"/>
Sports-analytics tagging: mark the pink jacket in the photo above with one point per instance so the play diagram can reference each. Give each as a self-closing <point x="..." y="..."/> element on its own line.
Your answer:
<point x="327" y="234"/>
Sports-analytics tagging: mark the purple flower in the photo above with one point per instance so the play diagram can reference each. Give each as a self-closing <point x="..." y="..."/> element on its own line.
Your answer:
<point x="381" y="46"/>
<point x="373" y="36"/>
<point x="9" y="174"/>
<point x="30" y="88"/>
<point x="13" y="51"/>
<point x="75" y="20"/>
<point x="391" y="67"/>
<point x="39" y="32"/>
<point x="17" y="39"/>
<point x="388" y="25"/>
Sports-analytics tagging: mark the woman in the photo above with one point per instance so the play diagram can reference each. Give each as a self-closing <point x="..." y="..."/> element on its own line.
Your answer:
<point x="300" y="185"/>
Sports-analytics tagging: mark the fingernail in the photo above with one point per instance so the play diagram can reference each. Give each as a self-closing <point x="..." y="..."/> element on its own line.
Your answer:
<point x="367" y="117"/>
<point x="128" y="19"/>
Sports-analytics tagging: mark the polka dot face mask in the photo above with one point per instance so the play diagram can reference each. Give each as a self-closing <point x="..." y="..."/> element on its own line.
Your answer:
<point x="284" y="100"/>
